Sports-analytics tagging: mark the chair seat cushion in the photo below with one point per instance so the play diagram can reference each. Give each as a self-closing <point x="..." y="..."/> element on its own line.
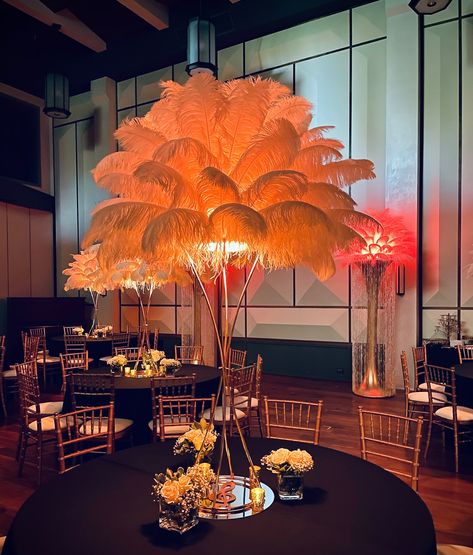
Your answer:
<point x="435" y="387"/>
<point x="219" y="414"/>
<point x="422" y="397"/>
<point x="9" y="373"/>
<point x="48" y="359"/>
<point x="51" y="407"/>
<point x="121" y="424"/>
<point x="464" y="414"/>
<point x="242" y="402"/>
<point x="171" y="429"/>
<point x="47" y="424"/>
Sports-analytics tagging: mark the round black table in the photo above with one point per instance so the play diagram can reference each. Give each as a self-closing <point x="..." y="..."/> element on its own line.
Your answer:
<point x="350" y="507"/>
<point x="464" y="383"/>
<point x="133" y="395"/>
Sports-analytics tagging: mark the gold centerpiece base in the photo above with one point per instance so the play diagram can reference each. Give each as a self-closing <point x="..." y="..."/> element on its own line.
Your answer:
<point x="233" y="499"/>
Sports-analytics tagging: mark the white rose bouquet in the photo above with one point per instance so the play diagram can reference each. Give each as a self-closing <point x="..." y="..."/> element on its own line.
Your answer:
<point x="201" y="437"/>
<point x="157" y="355"/>
<point x="282" y="460"/>
<point x="79" y="330"/>
<point x="117" y="360"/>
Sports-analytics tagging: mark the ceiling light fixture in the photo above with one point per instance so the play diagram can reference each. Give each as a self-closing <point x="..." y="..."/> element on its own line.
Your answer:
<point x="428" y="7"/>
<point x="56" y="96"/>
<point x="201" y="50"/>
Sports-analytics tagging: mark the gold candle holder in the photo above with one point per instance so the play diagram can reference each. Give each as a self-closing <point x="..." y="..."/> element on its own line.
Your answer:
<point x="127" y="370"/>
<point x="133" y="372"/>
<point x="254" y="476"/>
<point x="257" y="498"/>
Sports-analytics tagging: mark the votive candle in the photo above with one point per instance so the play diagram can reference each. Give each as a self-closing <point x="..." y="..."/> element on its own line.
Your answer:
<point x="127" y="370"/>
<point x="257" y="497"/>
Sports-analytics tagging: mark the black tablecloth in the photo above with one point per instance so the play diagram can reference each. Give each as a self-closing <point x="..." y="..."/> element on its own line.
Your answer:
<point x="350" y="507"/>
<point x="464" y="383"/>
<point x="133" y="395"/>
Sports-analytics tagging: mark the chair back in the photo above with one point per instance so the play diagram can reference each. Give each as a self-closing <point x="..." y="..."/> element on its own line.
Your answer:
<point x="177" y="414"/>
<point x="465" y="352"/>
<point x="74" y="440"/>
<point x="237" y="358"/>
<point x="241" y="380"/>
<point x="120" y="341"/>
<point x="419" y="356"/>
<point x="91" y="390"/>
<point x="189" y="354"/>
<point x="132" y="354"/>
<point x="41" y="333"/>
<point x="28" y="389"/>
<point x="75" y="343"/>
<point x="393" y="442"/>
<point x="30" y="347"/>
<point x="405" y="379"/>
<point x="293" y="420"/>
<point x="71" y="362"/>
<point x="444" y="377"/>
<point x="69" y="330"/>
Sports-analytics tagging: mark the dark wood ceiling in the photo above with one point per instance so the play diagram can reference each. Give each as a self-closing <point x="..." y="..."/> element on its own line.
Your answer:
<point x="30" y="48"/>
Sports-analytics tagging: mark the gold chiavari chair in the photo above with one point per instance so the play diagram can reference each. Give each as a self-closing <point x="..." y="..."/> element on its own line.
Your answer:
<point x="456" y="418"/>
<point x="75" y="344"/>
<point x="465" y="352"/>
<point x="240" y="387"/>
<point x="2" y="385"/>
<point x="119" y="341"/>
<point x="237" y="358"/>
<point x="419" y="356"/>
<point x="255" y="400"/>
<point x="72" y="444"/>
<point x="69" y="330"/>
<point x="30" y="354"/>
<point x="189" y="354"/>
<point x="417" y="402"/>
<point x="293" y="420"/>
<point x="177" y="414"/>
<point x="132" y="354"/>
<point x="393" y="439"/>
<point x="182" y="386"/>
<point x="73" y="362"/>
<point x="45" y="360"/>
<point x="92" y="390"/>
<point x="36" y="419"/>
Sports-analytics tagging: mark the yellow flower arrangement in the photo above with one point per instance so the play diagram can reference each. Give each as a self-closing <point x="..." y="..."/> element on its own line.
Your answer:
<point x="199" y="438"/>
<point x="282" y="460"/>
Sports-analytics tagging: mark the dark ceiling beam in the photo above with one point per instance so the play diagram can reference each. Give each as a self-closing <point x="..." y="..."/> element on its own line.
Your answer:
<point x="154" y="13"/>
<point x="66" y="21"/>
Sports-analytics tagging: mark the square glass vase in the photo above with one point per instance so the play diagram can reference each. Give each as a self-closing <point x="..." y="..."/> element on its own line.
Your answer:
<point x="290" y="486"/>
<point x="175" y="519"/>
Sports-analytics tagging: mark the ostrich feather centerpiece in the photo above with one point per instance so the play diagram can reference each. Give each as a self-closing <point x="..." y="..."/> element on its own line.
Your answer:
<point x="220" y="174"/>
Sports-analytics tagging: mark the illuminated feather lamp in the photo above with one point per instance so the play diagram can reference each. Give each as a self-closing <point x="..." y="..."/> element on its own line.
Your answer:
<point x="389" y="246"/>
<point x="226" y="174"/>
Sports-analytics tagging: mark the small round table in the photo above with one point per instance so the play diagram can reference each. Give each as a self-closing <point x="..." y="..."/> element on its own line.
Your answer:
<point x="133" y="395"/>
<point x="464" y="383"/>
<point x="349" y="507"/>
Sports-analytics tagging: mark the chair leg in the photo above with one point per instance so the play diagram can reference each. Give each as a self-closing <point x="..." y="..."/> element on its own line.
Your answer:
<point x="22" y="455"/>
<point x="39" y="459"/>
<point x="260" y="424"/>
<point x="429" y="433"/>
<point x="2" y="395"/>
<point x="455" y="440"/>
<point x="19" y="445"/>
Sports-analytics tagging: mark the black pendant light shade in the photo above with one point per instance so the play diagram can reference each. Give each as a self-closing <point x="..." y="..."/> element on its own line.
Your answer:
<point x="201" y="51"/>
<point x="56" y="96"/>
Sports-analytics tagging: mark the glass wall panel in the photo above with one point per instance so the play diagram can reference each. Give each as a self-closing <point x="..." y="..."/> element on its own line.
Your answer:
<point x="369" y="120"/>
<point x="147" y="86"/>
<point x="125" y="114"/>
<point x="230" y="62"/>
<point x="284" y="75"/>
<point x="180" y="73"/>
<point x="271" y="288"/>
<point x="447" y="13"/>
<point x="143" y="109"/>
<point x="467" y="162"/>
<point x="441" y="166"/>
<point x="467" y="6"/>
<point x="312" y="292"/>
<point x="311" y="324"/>
<point x="309" y="39"/>
<point x="369" y="22"/>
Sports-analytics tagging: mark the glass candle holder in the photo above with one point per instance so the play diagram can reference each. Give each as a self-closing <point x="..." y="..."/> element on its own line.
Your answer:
<point x="127" y="370"/>
<point x="257" y="498"/>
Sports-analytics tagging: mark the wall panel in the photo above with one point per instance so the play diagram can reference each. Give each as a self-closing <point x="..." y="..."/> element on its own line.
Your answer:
<point x="42" y="253"/>
<point x="19" y="250"/>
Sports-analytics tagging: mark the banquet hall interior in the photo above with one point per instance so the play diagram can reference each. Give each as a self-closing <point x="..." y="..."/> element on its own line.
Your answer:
<point x="236" y="277"/>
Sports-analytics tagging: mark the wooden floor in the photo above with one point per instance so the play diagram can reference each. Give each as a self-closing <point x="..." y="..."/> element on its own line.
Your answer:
<point x="448" y="496"/>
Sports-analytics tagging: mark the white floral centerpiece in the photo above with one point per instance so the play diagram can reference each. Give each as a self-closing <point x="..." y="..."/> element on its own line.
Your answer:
<point x="102" y="331"/>
<point x="289" y="467"/>
<point x="117" y="361"/>
<point x="180" y="494"/>
<point x="78" y="330"/>
<point x="200" y="438"/>
<point x="169" y="365"/>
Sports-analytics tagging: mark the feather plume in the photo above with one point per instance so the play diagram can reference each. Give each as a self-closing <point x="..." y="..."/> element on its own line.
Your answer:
<point x="135" y="136"/>
<point x="119" y="214"/>
<point x="197" y="107"/>
<point x="295" y="109"/>
<point x="326" y="196"/>
<point x="216" y="188"/>
<point x="236" y="222"/>
<point x="310" y="158"/>
<point x="175" y="234"/>
<point x="274" y="187"/>
<point x="127" y="186"/>
<point x="273" y="149"/>
<point x="343" y="173"/>
<point x="162" y="117"/>
<point x="117" y="163"/>
<point x="354" y="219"/>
